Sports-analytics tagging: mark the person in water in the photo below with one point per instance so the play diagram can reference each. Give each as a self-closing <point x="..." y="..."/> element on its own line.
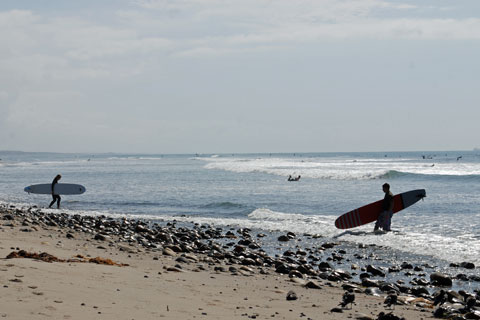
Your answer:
<point x="55" y="197"/>
<point x="290" y="178"/>
<point x="384" y="219"/>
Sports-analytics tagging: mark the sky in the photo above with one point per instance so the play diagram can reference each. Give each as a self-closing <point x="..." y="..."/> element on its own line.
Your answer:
<point x="223" y="76"/>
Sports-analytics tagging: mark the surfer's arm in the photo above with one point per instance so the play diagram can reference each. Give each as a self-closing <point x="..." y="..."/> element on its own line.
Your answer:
<point x="53" y="186"/>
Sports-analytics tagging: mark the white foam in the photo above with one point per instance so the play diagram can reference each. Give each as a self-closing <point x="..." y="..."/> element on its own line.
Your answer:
<point x="341" y="169"/>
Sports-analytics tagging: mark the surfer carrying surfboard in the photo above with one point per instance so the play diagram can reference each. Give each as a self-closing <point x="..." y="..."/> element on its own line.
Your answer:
<point x="55" y="197"/>
<point x="385" y="217"/>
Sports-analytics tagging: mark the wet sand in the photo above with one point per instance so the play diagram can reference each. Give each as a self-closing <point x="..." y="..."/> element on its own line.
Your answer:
<point x="156" y="283"/>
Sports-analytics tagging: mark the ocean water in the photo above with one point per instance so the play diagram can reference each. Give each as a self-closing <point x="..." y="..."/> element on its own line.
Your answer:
<point x="251" y="190"/>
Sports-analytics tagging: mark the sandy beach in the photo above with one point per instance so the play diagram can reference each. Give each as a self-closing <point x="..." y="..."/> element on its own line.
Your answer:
<point x="154" y="283"/>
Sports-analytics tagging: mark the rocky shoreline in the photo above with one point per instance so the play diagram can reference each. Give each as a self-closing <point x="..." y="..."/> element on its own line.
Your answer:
<point x="239" y="252"/>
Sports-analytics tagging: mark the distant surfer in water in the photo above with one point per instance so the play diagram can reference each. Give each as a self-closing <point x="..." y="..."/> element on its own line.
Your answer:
<point x="55" y="197"/>
<point x="385" y="217"/>
<point x="290" y="178"/>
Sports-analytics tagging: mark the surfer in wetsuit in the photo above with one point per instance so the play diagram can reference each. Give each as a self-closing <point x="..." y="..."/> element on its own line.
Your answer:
<point x="55" y="197"/>
<point x="385" y="217"/>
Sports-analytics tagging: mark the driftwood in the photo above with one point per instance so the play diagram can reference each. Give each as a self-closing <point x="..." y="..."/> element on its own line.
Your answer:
<point x="46" y="257"/>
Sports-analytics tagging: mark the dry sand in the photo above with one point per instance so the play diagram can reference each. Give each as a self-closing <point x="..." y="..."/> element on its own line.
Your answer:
<point x="32" y="289"/>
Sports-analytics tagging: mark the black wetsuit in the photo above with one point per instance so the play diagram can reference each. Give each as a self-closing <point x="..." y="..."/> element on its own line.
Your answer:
<point x="55" y="197"/>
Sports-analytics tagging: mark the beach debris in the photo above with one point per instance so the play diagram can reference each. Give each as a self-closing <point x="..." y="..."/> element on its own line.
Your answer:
<point x="362" y="316"/>
<point x="388" y="316"/>
<point x="46" y="257"/>
<point x="348" y="298"/>
<point x="336" y="310"/>
<point x="440" y="297"/>
<point x="391" y="300"/>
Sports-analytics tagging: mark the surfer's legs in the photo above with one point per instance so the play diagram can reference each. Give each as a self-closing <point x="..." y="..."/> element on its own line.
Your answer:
<point x="380" y="221"/>
<point x="57" y="199"/>
<point x="388" y="220"/>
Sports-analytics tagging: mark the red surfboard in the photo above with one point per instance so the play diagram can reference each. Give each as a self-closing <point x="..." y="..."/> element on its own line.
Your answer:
<point x="370" y="212"/>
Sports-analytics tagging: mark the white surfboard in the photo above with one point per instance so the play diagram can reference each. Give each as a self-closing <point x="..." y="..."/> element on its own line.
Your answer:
<point x="60" y="188"/>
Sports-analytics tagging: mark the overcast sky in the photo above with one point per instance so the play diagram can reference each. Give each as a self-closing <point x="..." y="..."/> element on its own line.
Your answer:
<point x="186" y="76"/>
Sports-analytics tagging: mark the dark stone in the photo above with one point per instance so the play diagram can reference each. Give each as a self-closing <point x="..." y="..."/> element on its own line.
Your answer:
<point x="375" y="271"/>
<point x="440" y="279"/>
<point x="406" y="265"/>
<point x="283" y="269"/>
<point x="370" y="283"/>
<point x="467" y="265"/>
<point x="295" y="274"/>
<point x="283" y="238"/>
<point x="364" y="275"/>
<point x="219" y="269"/>
<point x="324" y="266"/>
<point x="291" y="296"/>
<point x="394" y="269"/>
<point x="100" y="237"/>
<point x="313" y="285"/>
<point x="474" y="278"/>
<point x="420" y="292"/>
<point x="328" y="245"/>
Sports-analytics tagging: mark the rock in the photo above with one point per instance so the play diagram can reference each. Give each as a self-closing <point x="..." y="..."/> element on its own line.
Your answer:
<point x="219" y="269"/>
<point x="472" y="315"/>
<point x="324" y="266"/>
<point x="440" y="279"/>
<point x="474" y="278"/>
<point x="295" y="274"/>
<point x="283" y="268"/>
<point x="344" y="275"/>
<point x="8" y="217"/>
<point x="406" y="265"/>
<point x="361" y="316"/>
<point x="174" y="269"/>
<point x="373" y="292"/>
<point x="394" y="269"/>
<point x="298" y="281"/>
<point x="328" y="245"/>
<point x="182" y="260"/>
<point x="291" y="296"/>
<point x="370" y="283"/>
<point x="388" y="316"/>
<point x="389" y="287"/>
<point x="336" y="310"/>
<point x="375" y="271"/>
<point x="191" y="257"/>
<point x="283" y="238"/>
<point x="313" y="285"/>
<point x="101" y="237"/>
<point x="420" y="291"/>
<point x="467" y="265"/>
<point x="169" y="252"/>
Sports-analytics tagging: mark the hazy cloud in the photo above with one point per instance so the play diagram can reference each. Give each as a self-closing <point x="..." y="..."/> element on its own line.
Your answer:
<point x="214" y="72"/>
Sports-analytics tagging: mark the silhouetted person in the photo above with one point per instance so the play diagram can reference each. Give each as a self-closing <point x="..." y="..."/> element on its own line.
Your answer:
<point x="55" y="197"/>
<point x="385" y="217"/>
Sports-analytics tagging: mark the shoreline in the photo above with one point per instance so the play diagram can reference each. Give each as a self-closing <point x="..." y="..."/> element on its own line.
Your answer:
<point x="182" y="273"/>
